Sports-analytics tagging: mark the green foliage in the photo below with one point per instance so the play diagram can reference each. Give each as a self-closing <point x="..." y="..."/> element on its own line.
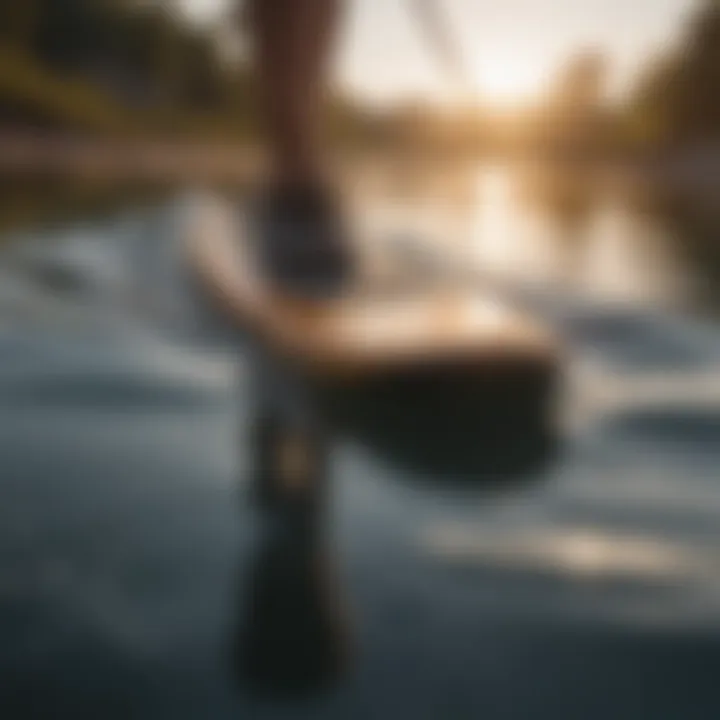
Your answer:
<point x="29" y="91"/>
<point x="116" y="66"/>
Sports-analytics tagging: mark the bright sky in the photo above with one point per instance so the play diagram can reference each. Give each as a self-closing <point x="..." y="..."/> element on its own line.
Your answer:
<point x="511" y="46"/>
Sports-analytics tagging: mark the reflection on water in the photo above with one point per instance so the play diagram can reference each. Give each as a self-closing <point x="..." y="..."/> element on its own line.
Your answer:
<point x="33" y="202"/>
<point x="293" y="641"/>
<point x="581" y="230"/>
<point x="126" y="563"/>
<point x="294" y="638"/>
<point x="591" y="233"/>
<point x="577" y="233"/>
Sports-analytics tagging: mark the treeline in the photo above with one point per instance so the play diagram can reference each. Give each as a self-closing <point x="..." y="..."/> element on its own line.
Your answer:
<point x="673" y="106"/>
<point x="116" y="65"/>
<point x="677" y="100"/>
<point x="134" y="67"/>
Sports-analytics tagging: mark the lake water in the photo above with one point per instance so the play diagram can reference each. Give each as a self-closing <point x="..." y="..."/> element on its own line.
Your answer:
<point x="590" y="589"/>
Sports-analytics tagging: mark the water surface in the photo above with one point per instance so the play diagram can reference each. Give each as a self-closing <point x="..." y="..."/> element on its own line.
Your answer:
<point x="587" y="589"/>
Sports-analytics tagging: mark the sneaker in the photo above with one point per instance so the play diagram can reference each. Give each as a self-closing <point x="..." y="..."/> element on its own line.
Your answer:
<point x="301" y="245"/>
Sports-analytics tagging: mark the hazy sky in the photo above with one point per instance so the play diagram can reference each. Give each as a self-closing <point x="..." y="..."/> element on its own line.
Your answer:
<point x="511" y="46"/>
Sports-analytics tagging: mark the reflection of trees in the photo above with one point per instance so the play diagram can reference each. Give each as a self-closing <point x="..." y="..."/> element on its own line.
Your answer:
<point x="565" y="200"/>
<point x="696" y="226"/>
<point x="34" y="201"/>
<point x="565" y="196"/>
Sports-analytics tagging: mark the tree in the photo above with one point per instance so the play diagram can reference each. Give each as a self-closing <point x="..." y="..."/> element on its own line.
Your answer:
<point x="18" y="21"/>
<point x="580" y="84"/>
<point x="676" y="100"/>
<point x="697" y="112"/>
<point x="574" y="117"/>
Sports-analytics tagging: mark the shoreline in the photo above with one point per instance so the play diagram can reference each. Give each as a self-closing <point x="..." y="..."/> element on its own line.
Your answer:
<point x="33" y="155"/>
<point x="37" y="155"/>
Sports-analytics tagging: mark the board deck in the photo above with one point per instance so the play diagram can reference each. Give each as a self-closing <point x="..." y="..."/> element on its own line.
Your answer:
<point x="439" y="377"/>
<point x="362" y="334"/>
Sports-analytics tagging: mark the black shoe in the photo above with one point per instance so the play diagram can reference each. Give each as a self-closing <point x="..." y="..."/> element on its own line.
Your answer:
<point x="302" y="249"/>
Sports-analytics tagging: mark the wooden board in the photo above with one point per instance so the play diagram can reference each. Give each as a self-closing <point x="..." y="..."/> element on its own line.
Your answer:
<point x="362" y="334"/>
<point x="438" y="377"/>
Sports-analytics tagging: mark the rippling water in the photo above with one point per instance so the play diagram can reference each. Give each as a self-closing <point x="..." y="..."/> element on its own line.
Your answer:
<point x="590" y="589"/>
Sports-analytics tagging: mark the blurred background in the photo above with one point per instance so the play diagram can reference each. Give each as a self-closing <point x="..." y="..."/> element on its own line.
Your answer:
<point x="554" y="79"/>
<point x="569" y="153"/>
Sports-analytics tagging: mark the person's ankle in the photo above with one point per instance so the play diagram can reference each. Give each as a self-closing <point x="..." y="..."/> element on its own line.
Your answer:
<point x="300" y="175"/>
<point x="307" y="190"/>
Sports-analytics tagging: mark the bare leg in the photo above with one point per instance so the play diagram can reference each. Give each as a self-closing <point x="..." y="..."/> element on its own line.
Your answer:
<point x="292" y="43"/>
<point x="302" y="248"/>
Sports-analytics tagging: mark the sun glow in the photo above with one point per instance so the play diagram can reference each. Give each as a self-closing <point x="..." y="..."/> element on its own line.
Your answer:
<point x="507" y="80"/>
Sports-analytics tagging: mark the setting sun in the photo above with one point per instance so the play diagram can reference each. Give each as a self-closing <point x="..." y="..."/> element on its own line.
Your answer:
<point x="507" y="80"/>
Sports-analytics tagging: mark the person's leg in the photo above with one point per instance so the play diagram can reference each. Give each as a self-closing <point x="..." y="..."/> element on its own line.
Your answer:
<point x="292" y="43"/>
<point x="302" y="248"/>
